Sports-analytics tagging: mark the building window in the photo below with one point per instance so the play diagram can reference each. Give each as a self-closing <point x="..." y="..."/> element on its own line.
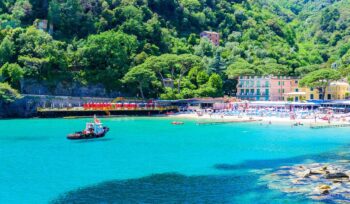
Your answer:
<point x="311" y="96"/>
<point x="311" y="89"/>
<point x="296" y="90"/>
<point x="282" y="90"/>
<point x="282" y="83"/>
<point x="279" y="83"/>
<point x="329" y="96"/>
<point x="296" y="82"/>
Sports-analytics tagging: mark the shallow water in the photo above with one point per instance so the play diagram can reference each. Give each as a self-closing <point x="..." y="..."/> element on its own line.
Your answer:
<point x="148" y="160"/>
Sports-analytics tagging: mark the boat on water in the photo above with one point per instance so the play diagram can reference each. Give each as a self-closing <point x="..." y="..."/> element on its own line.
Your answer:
<point x="92" y="130"/>
<point x="177" y="123"/>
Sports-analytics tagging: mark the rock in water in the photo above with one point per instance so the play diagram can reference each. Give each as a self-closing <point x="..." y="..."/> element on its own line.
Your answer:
<point x="324" y="187"/>
<point x="325" y="192"/>
<point x="304" y="174"/>
<point x="336" y="175"/>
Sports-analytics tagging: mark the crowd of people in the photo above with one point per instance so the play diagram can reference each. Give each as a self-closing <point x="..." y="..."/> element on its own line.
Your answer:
<point x="293" y="114"/>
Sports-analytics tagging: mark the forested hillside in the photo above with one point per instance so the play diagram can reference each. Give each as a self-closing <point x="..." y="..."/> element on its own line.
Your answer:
<point x="132" y="45"/>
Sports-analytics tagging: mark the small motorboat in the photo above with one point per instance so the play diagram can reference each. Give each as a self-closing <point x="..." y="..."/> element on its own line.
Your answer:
<point x="177" y="123"/>
<point x="92" y="130"/>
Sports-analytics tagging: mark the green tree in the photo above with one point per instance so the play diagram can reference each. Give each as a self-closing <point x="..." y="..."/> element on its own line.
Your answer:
<point x="215" y="82"/>
<point x="320" y="79"/>
<point x="186" y="62"/>
<point x="205" y="48"/>
<point x="107" y="57"/>
<point x="11" y="73"/>
<point x="21" y="9"/>
<point x="40" y="55"/>
<point x="302" y="71"/>
<point x="217" y="65"/>
<point x="239" y="68"/>
<point x="7" y="51"/>
<point x="202" y="78"/>
<point x="7" y="93"/>
<point x="69" y="18"/>
<point x="141" y="76"/>
<point x="169" y="94"/>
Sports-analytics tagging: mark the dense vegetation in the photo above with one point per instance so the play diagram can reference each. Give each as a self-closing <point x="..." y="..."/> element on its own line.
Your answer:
<point x="132" y="45"/>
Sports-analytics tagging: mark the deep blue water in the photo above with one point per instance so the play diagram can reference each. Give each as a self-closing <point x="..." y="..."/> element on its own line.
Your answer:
<point x="148" y="160"/>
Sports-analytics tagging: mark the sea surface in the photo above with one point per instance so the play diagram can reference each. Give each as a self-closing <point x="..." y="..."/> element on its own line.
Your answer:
<point x="148" y="160"/>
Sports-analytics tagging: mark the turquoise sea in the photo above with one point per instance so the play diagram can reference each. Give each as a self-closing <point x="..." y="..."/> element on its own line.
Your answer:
<point x="148" y="160"/>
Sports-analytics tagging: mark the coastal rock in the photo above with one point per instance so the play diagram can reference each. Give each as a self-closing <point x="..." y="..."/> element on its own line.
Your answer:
<point x="317" y="172"/>
<point x="337" y="175"/>
<point x="337" y="181"/>
<point x="302" y="167"/>
<point x="304" y="174"/>
<point x="317" y="181"/>
<point x="322" y="189"/>
<point x="315" y="177"/>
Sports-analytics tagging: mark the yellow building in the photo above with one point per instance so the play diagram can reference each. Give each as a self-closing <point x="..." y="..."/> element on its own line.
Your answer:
<point x="335" y="91"/>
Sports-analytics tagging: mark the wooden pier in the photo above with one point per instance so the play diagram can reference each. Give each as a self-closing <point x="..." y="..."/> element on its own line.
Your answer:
<point x="225" y="122"/>
<point x="329" y="126"/>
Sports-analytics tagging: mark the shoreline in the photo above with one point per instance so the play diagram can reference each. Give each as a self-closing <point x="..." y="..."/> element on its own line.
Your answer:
<point x="218" y="119"/>
<point x="255" y="119"/>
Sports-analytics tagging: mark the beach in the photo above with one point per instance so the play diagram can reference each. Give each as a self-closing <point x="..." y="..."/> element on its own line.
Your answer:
<point x="264" y="119"/>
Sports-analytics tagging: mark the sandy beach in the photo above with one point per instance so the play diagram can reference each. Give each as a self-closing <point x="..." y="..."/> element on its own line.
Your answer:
<point x="264" y="120"/>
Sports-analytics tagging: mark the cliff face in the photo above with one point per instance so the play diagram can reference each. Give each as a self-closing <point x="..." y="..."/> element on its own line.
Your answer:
<point x="22" y="108"/>
<point x="66" y="89"/>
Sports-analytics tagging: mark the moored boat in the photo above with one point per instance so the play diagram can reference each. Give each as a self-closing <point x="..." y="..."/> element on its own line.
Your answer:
<point x="92" y="130"/>
<point x="177" y="123"/>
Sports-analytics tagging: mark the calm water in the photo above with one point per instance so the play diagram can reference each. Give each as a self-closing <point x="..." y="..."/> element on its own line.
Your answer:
<point x="151" y="161"/>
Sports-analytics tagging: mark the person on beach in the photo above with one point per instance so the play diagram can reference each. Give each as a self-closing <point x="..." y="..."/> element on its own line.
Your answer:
<point x="315" y="116"/>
